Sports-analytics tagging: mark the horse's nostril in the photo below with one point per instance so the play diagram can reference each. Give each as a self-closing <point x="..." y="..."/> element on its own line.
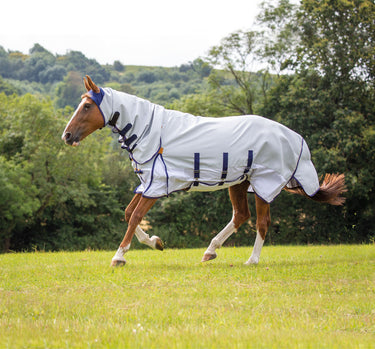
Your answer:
<point x="68" y="136"/>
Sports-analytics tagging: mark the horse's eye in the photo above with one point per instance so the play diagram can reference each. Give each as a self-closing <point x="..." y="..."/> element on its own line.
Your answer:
<point x="87" y="106"/>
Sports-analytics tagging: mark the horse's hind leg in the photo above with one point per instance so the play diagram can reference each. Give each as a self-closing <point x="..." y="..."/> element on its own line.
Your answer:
<point x="263" y="222"/>
<point x="241" y="213"/>
<point x="154" y="242"/>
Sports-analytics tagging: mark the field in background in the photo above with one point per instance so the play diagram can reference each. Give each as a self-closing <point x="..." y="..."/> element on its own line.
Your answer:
<point x="297" y="297"/>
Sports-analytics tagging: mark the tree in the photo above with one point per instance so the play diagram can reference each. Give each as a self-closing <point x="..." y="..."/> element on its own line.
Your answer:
<point x="337" y="38"/>
<point x="203" y="104"/>
<point x="69" y="91"/>
<point x="52" y="74"/>
<point x="279" y="34"/>
<point x="53" y="196"/>
<point x="238" y="86"/>
<point x="147" y="76"/>
<point x="18" y="200"/>
<point x="8" y="88"/>
<point x="118" y="66"/>
<point x="37" y="48"/>
<point x="201" y="67"/>
<point x="330" y="101"/>
<point x="35" y="64"/>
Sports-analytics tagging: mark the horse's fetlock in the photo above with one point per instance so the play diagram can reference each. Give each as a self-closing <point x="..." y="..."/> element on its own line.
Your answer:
<point x="262" y="234"/>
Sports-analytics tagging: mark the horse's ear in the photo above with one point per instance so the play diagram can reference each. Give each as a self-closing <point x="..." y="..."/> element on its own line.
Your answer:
<point x="89" y="84"/>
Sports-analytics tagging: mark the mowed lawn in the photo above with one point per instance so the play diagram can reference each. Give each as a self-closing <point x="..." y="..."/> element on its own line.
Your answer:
<point x="297" y="297"/>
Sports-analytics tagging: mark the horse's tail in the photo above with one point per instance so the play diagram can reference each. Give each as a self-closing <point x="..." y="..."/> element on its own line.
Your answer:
<point x="329" y="192"/>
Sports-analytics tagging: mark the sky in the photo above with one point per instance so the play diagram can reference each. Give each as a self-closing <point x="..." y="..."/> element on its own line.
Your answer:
<point x="139" y="32"/>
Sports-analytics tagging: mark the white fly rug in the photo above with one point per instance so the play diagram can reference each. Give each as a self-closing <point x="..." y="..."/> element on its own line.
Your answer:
<point x="174" y="151"/>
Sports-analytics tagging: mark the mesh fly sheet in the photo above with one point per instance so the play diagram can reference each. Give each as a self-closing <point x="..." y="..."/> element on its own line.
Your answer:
<point x="174" y="151"/>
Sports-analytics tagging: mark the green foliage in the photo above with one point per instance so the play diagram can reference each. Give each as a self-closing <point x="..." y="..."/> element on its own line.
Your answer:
<point x="8" y="88"/>
<point x="18" y="199"/>
<point x="204" y="104"/>
<point x="70" y="90"/>
<point x="341" y="138"/>
<point x="163" y="85"/>
<point x="200" y="67"/>
<point x="118" y="66"/>
<point x="52" y="195"/>
<point x="60" y="76"/>
<point x="327" y="38"/>
<point x="239" y="87"/>
<point x="279" y="35"/>
<point x="42" y="66"/>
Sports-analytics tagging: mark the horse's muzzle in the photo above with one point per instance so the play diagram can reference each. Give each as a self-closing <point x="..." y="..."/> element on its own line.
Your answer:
<point x="70" y="140"/>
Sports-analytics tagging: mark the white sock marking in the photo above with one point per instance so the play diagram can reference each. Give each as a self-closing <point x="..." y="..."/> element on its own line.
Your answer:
<point x="254" y="259"/>
<point x="119" y="256"/>
<point x="220" y="238"/>
<point x="144" y="238"/>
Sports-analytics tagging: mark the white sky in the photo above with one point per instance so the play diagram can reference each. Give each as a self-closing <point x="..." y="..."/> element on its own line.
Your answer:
<point x="140" y="32"/>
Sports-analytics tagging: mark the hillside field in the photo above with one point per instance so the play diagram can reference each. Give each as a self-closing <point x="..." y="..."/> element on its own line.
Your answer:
<point x="297" y="297"/>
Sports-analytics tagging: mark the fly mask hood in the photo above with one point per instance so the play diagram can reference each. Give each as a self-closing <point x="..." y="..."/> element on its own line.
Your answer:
<point x="137" y="121"/>
<point x="103" y="100"/>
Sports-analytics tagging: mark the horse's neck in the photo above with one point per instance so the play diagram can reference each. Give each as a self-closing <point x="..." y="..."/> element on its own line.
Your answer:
<point x="134" y="115"/>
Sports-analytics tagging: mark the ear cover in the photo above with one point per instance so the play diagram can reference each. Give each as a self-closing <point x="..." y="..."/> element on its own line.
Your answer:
<point x="97" y="97"/>
<point x="103" y="99"/>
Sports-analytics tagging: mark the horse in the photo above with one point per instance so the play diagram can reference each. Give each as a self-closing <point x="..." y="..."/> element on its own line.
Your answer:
<point x="173" y="151"/>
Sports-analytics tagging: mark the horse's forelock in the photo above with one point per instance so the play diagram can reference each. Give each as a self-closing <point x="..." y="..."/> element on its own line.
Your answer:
<point x="85" y="95"/>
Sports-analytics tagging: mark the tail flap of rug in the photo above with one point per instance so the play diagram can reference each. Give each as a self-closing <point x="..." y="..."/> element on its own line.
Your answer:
<point x="305" y="174"/>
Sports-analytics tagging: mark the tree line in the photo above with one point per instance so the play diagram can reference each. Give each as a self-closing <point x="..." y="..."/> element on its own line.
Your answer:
<point x="60" y="76"/>
<point x="315" y="79"/>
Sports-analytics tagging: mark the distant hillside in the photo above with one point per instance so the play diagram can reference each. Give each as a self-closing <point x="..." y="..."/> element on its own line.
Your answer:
<point x="60" y="76"/>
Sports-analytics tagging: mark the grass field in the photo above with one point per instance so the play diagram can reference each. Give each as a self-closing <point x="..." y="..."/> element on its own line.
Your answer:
<point x="297" y="297"/>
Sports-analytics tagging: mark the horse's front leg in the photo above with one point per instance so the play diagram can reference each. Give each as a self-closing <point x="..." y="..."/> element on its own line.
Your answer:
<point x="154" y="242"/>
<point x="142" y="205"/>
<point x="263" y="222"/>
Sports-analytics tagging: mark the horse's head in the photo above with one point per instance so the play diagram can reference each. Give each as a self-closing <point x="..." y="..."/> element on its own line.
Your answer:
<point x="86" y="119"/>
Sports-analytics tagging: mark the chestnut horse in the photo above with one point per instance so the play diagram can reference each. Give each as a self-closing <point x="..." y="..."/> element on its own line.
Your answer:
<point x="92" y="114"/>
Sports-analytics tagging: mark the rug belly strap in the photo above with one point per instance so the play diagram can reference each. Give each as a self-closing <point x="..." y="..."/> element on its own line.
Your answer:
<point x="249" y="161"/>
<point x="224" y="172"/>
<point x="196" y="169"/>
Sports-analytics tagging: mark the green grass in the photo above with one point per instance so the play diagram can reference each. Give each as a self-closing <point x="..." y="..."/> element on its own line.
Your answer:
<point x="297" y="297"/>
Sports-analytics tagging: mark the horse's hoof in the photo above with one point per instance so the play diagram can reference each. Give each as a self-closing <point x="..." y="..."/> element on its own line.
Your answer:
<point x="118" y="263"/>
<point x="158" y="243"/>
<point x="252" y="261"/>
<point x="208" y="257"/>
